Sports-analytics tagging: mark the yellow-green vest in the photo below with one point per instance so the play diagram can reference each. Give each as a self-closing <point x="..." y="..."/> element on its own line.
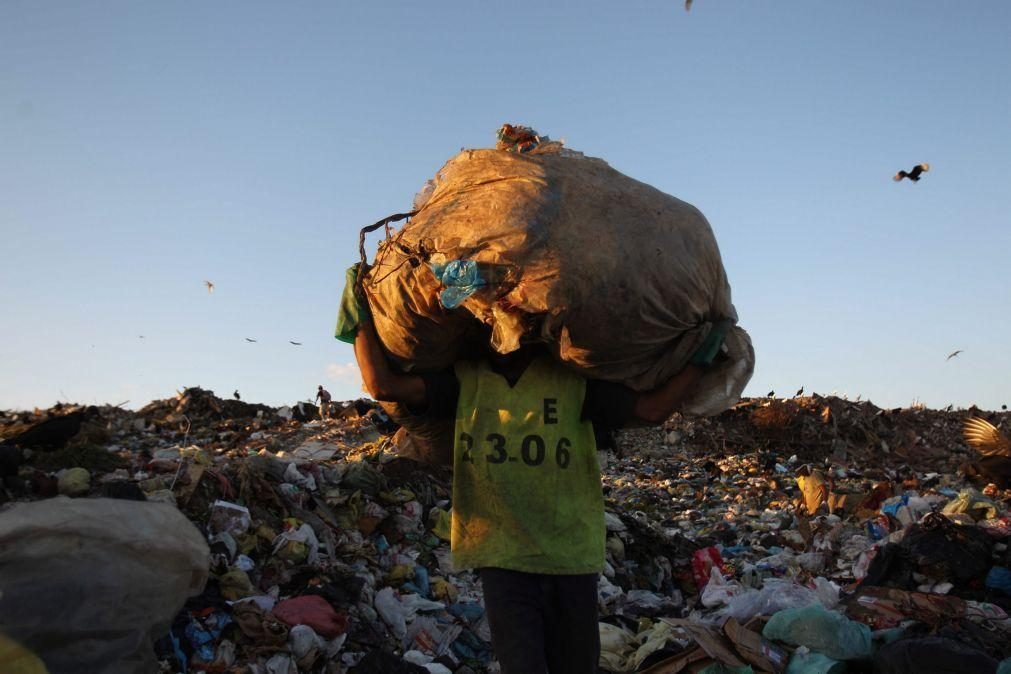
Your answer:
<point x="526" y="483"/>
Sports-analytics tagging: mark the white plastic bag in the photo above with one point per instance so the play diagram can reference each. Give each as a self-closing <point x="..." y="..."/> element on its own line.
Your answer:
<point x="90" y="584"/>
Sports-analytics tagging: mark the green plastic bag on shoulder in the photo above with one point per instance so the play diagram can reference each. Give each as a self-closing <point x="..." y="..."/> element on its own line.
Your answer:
<point x="351" y="310"/>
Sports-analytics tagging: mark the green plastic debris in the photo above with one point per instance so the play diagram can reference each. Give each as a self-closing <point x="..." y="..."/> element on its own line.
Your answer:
<point x="822" y="631"/>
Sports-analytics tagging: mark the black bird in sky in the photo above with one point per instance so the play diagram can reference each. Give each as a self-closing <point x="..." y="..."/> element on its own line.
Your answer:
<point x="250" y="340"/>
<point x="953" y="354"/>
<point x="295" y="343"/>
<point x="913" y="175"/>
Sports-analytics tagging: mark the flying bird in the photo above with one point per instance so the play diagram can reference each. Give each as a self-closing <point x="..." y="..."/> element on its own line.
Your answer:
<point x="210" y="286"/>
<point x="688" y="5"/>
<point x="913" y="175"/>
<point x="985" y="438"/>
<point x="295" y="343"/>
<point x="953" y="354"/>
<point x="250" y="340"/>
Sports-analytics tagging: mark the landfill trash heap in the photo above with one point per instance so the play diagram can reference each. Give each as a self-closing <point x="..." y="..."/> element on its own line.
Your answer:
<point x="808" y="534"/>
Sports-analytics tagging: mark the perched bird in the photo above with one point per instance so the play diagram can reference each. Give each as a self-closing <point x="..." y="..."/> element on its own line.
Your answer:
<point x="984" y="437"/>
<point x="10" y="460"/>
<point x="295" y="343"/>
<point x="799" y="392"/>
<point x="770" y="394"/>
<point x="210" y="286"/>
<point x="250" y="340"/>
<point x="236" y="395"/>
<point x="953" y="354"/>
<point x="55" y="432"/>
<point x="913" y="175"/>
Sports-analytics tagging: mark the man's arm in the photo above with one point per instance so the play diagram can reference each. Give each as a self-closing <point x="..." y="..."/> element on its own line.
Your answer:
<point x="657" y="405"/>
<point x="380" y="380"/>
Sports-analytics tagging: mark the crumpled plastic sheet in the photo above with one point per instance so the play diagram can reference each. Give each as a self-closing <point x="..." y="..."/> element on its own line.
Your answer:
<point x="776" y="594"/>
<point x="462" y="279"/>
<point x="821" y="630"/>
<point x="304" y="535"/>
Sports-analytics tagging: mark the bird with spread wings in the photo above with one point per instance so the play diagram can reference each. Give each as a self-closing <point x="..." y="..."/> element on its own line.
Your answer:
<point x="914" y="174"/>
<point x="984" y="437"/>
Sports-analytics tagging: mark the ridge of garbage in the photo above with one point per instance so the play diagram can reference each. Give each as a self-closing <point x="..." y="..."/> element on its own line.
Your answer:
<point x="330" y="553"/>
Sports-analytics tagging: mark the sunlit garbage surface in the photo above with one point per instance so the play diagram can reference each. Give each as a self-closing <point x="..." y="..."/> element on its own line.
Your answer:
<point x="808" y="533"/>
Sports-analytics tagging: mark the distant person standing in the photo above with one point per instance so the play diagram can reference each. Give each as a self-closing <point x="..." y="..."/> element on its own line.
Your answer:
<point x="323" y="396"/>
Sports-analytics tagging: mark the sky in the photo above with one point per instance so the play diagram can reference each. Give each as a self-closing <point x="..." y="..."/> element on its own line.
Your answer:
<point x="148" y="146"/>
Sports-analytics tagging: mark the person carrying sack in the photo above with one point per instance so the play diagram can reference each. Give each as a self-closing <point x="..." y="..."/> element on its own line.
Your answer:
<point x="528" y="506"/>
<point x="324" y="398"/>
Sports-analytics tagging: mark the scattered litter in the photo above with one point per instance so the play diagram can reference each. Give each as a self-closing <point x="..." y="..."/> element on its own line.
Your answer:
<point x="321" y="545"/>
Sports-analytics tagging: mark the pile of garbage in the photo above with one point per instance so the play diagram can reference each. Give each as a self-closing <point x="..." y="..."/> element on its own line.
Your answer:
<point x="801" y="535"/>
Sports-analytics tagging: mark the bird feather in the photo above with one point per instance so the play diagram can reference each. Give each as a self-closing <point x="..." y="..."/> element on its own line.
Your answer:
<point x="985" y="438"/>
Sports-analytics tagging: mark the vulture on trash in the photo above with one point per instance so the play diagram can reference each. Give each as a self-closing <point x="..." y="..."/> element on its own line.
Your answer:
<point x="55" y="432"/>
<point x="913" y="175"/>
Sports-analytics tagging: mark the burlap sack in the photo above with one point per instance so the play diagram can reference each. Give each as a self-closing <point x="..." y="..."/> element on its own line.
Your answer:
<point x="620" y="280"/>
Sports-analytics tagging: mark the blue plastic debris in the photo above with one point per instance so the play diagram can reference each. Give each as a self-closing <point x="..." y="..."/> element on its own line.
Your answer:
<point x="999" y="578"/>
<point x="462" y="279"/>
<point x="469" y="611"/>
<point x="204" y="634"/>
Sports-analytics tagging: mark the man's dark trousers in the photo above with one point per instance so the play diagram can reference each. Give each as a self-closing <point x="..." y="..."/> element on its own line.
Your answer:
<point x="541" y="622"/>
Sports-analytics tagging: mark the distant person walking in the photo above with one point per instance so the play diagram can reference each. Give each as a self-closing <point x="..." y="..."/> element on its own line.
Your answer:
<point x="323" y="396"/>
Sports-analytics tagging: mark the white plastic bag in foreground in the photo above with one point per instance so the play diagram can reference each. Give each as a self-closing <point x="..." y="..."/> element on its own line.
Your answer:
<point x="89" y="584"/>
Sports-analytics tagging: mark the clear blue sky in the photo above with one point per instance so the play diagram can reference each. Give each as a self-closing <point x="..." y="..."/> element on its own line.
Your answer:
<point x="147" y="146"/>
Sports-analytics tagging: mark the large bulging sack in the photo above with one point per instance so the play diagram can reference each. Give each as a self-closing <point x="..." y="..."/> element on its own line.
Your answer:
<point x="621" y="281"/>
<point x="88" y="585"/>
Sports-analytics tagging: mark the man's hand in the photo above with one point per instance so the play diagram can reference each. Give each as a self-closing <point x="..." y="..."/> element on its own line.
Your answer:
<point x="381" y="381"/>
<point x="657" y="405"/>
<point x="353" y="308"/>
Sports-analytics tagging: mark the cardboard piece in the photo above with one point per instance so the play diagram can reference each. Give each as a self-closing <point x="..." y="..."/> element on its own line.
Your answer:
<point x="758" y="651"/>
<point x="690" y="661"/>
<point x="887" y="607"/>
<point x="733" y="644"/>
<point x="713" y="643"/>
